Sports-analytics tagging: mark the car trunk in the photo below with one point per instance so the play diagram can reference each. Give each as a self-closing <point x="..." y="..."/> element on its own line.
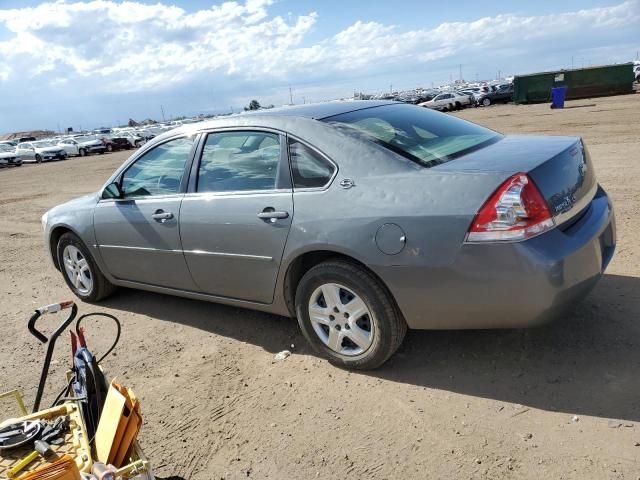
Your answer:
<point x="559" y="166"/>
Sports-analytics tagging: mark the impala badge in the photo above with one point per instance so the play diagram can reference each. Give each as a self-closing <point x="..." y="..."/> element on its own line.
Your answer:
<point x="347" y="183"/>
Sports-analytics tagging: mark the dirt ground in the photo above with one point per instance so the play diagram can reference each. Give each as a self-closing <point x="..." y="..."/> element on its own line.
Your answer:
<point x="449" y="405"/>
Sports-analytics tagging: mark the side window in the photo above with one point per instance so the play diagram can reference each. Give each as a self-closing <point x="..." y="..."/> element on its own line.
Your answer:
<point x="309" y="169"/>
<point x="159" y="171"/>
<point x="239" y="161"/>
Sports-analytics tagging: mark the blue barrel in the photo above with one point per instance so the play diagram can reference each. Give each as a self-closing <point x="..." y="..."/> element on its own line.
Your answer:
<point x="558" y="95"/>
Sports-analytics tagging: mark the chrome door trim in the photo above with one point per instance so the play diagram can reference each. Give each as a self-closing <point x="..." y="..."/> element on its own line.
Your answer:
<point x="230" y="255"/>
<point x="234" y="193"/>
<point x="144" y="249"/>
<point x="167" y="196"/>
<point x="191" y="252"/>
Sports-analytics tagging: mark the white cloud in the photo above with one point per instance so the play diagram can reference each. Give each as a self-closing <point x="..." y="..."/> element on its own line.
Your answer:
<point x="104" y="46"/>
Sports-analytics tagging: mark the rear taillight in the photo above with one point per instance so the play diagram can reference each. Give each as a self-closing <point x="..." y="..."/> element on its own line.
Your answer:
<point x="516" y="211"/>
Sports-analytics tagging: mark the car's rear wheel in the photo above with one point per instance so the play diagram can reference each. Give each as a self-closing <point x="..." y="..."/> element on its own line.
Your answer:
<point x="348" y="316"/>
<point x="486" y="102"/>
<point x="38" y="158"/>
<point x="82" y="152"/>
<point x="109" y="148"/>
<point x="80" y="271"/>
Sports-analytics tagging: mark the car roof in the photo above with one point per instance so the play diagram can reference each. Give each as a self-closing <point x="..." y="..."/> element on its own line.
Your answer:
<point x="318" y="111"/>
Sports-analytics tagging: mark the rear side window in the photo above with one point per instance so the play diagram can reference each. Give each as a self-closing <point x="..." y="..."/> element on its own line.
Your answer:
<point x="426" y="137"/>
<point x="239" y="161"/>
<point x="308" y="168"/>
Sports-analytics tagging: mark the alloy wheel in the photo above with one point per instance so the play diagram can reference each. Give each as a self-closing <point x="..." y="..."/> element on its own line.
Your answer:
<point x="341" y="319"/>
<point x="77" y="269"/>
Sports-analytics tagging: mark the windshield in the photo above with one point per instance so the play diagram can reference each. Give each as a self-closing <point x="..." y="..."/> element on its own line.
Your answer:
<point x="43" y="143"/>
<point x="422" y="135"/>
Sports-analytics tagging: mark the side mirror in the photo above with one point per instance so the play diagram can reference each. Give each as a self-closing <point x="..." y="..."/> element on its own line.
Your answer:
<point x="112" y="191"/>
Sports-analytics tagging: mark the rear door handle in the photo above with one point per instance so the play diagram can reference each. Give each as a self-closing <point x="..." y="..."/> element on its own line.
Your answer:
<point x="273" y="215"/>
<point x="162" y="216"/>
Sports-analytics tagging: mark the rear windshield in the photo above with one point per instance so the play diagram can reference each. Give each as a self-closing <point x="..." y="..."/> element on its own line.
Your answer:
<point x="424" y="136"/>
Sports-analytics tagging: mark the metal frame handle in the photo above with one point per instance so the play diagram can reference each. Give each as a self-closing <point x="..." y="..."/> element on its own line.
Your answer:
<point x="53" y="308"/>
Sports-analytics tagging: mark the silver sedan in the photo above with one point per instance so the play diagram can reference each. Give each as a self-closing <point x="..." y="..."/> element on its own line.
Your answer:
<point x="359" y="218"/>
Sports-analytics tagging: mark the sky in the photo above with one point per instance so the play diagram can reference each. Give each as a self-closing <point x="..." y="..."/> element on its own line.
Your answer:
<point x="85" y="64"/>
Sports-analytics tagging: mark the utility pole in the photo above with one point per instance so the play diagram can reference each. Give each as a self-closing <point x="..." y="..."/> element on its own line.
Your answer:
<point x="391" y="88"/>
<point x="162" y="110"/>
<point x="571" y="62"/>
<point x="290" y="96"/>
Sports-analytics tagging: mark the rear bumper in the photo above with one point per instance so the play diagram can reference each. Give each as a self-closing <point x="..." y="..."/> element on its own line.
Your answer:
<point x="509" y="285"/>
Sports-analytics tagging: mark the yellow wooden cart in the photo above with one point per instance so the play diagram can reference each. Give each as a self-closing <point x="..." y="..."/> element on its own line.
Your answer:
<point x="76" y="443"/>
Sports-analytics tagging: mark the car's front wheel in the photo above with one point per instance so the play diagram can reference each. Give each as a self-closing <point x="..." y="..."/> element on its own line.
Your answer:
<point x="486" y="102"/>
<point x="38" y="158"/>
<point x="348" y="316"/>
<point x="80" y="271"/>
<point x="82" y="152"/>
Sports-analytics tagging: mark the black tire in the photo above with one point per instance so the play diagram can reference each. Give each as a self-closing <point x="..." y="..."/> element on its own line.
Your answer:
<point x="486" y="102"/>
<point x="387" y="323"/>
<point x="101" y="287"/>
<point x="38" y="158"/>
<point x="458" y="106"/>
<point x="82" y="152"/>
<point x="109" y="148"/>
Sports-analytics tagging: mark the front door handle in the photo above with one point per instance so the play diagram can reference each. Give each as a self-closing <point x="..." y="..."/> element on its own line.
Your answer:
<point x="271" y="214"/>
<point x="162" y="216"/>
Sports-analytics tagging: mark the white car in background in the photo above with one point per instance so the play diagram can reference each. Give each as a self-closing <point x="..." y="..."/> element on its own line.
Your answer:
<point x="40" y="151"/>
<point x="8" y="156"/>
<point x="448" y="101"/>
<point x="134" y="139"/>
<point x="82" y="145"/>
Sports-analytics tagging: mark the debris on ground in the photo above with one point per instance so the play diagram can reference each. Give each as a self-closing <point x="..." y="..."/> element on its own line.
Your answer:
<point x="281" y="356"/>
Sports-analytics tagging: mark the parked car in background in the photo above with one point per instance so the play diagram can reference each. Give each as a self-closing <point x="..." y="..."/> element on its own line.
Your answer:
<point x="40" y="151"/>
<point x="8" y="156"/>
<point x="447" y="102"/>
<point x="136" y="141"/>
<point x="281" y="211"/>
<point x="145" y="133"/>
<point x="116" y="142"/>
<point x="26" y="139"/>
<point x="82" y="145"/>
<point x="11" y="143"/>
<point x="636" y="72"/>
<point x="499" y="94"/>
